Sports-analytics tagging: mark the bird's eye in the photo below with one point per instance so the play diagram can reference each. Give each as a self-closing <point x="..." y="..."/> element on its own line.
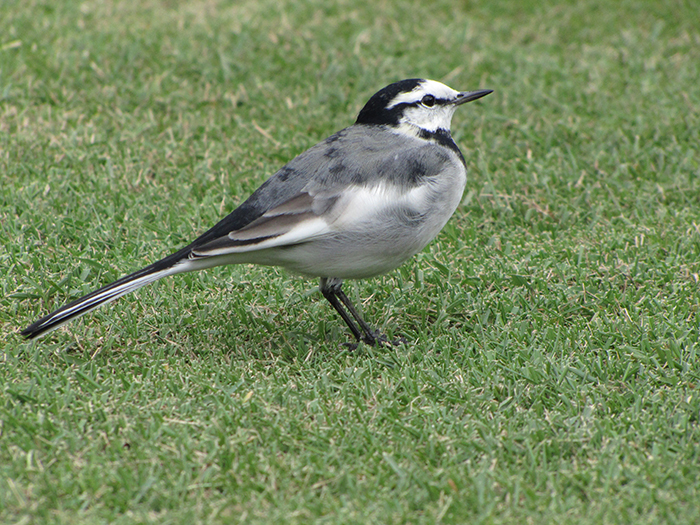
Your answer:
<point x="428" y="101"/>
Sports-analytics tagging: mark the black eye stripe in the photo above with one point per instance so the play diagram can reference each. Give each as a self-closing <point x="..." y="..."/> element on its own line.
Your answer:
<point x="421" y="102"/>
<point x="384" y="108"/>
<point x="431" y="102"/>
<point x="438" y="102"/>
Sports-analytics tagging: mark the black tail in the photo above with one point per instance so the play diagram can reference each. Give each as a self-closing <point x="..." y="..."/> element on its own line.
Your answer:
<point x="104" y="295"/>
<point x="238" y="218"/>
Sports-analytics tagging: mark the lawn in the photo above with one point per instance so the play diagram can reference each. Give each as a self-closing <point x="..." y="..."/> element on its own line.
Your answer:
<point x="551" y="371"/>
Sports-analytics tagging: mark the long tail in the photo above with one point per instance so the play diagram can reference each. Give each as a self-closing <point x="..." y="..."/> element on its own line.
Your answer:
<point x="168" y="266"/>
<point x="178" y="262"/>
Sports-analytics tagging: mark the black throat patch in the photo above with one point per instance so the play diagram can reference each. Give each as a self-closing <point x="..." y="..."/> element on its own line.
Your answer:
<point x="444" y="138"/>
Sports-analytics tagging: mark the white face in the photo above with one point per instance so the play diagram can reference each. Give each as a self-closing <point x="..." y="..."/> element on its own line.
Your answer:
<point x="429" y="118"/>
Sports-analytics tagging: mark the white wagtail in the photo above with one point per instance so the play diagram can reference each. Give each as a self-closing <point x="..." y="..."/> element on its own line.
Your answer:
<point x="356" y="205"/>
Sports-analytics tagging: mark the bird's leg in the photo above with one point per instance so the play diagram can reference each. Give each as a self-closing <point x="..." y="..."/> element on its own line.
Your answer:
<point x="332" y="291"/>
<point x="331" y="297"/>
<point x="370" y="335"/>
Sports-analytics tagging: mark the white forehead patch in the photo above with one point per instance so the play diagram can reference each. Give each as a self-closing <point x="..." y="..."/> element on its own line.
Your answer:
<point x="427" y="87"/>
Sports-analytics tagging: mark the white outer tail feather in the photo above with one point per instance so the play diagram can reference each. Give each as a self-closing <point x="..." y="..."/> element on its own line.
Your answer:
<point x="107" y="295"/>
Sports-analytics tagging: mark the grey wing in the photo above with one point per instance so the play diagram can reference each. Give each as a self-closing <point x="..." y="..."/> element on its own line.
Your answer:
<point x="304" y="199"/>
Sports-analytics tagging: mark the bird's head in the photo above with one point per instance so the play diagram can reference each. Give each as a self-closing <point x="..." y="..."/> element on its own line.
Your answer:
<point x="416" y="105"/>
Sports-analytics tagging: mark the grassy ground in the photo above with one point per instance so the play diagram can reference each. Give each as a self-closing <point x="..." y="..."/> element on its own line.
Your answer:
<point x="551" y="374"/>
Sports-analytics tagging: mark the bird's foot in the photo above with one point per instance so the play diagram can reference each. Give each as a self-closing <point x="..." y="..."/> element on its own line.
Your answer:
<point x="376" y="338"/>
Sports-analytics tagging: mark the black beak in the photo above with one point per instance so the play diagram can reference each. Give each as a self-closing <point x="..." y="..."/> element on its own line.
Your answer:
<point x="468" y="96"/>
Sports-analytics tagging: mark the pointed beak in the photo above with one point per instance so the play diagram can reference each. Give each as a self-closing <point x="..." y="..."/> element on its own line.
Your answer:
<point x="468" y="96"/>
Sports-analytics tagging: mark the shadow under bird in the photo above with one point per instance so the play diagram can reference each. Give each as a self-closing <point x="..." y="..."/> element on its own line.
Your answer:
<point x="356" y="205"/>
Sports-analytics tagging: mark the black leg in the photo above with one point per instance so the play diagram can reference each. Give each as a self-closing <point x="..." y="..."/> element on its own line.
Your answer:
<point x="331" y="297"/>
<point x="369" y="333"/>
<point x="331" y="290"/>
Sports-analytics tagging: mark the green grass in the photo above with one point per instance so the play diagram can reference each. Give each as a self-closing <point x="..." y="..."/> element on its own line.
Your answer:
<point x="552" y="371"/>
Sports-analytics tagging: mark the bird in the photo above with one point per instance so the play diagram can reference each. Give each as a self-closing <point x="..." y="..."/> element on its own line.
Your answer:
<point x="356" y="205"/>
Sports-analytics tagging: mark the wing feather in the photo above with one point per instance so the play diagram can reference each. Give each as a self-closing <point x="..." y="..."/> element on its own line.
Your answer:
<point x="305" y="197"/>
